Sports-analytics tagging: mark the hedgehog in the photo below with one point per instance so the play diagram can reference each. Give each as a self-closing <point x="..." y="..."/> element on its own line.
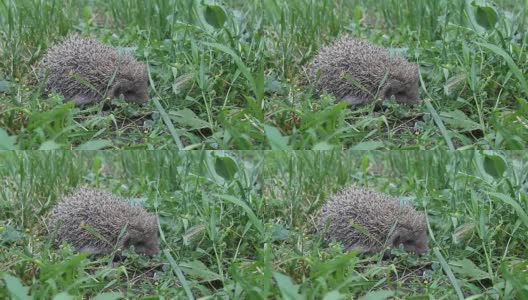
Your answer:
<point x="369" y="221"/>
<point x="108" y="216"/>
<point x="358" y="72"/>
<point x="87" y="71"/>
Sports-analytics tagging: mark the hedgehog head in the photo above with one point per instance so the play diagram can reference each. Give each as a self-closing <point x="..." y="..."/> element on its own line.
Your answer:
<point x="131" y="83"/>
<point x="403" y="84"/>
<point x="411" y="232"/>
<point x="142" y="233"/>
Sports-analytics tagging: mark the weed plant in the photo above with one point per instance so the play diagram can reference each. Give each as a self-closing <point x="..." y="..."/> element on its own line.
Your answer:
<point x="241" y="225"/>
<point x="231" y="74"/>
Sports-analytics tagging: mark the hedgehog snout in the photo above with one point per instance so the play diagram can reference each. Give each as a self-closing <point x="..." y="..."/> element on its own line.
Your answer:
<point x="152" y="248"/>
<point x="142" y="242"/>
<point x="131" y="91"/>
<point x="413" y="242"/>
<point x="402" y="93"/>
<point x="140" y="95"/>
<point x="147" y="247"/>
<point x="411" y="93"/>
<point x="415" y="246"/>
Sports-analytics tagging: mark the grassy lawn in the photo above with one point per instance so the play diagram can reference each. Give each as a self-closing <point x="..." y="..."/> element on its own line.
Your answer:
<point x="240" y="225"/>
<point x="232" y="74"/>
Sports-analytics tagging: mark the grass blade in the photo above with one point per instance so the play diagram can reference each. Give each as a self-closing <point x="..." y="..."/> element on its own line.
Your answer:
<point x="168" y="123"/>
<point x="240" y="64"/>
<point x="164" y="115"/>
<point x="179" y="274"/>
<point x="516" y="206"/>
<point x="448" y="272"/>
<point x="513" y="67"/>
<point x="440" y="125"/>
<point x="251" y="215"/>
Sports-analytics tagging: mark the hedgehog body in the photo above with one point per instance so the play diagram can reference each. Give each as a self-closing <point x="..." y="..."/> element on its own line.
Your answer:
<point x="108" y="216"/>
<point x="368" y="221"/>
<point x="87" y="71"/>
<point x="358" y="72"/>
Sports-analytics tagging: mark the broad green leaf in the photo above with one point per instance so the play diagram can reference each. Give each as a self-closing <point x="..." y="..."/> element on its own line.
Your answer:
<point x="323" y="146"/>
<point x="324" y="268"/>
<point x="49" y="145"/>
<point x="334" y="295"/>
<point x="279" y="233"/>
<point x="226" y="167"/>
<point x="288" y="289"/>
<point x="468" y="269"/>
<point x="188" y="118"/>
<point x="109" y="296"/>
<point x="458" y="119"/>
<point x="377" y="295"/>
<point x="215" y="15"/>
<point x="210" y="164"/>
<point x="494" y="164"/>
<point x="4" y="85"/>
<point x="15" y="288"/>
<point x="94" y="145"/>
<point x="368" y="145"/>
<point x="276" y="140"/>
<point x="9" y="234"/>
<point x="62" y="267"/>
<point x="59" y="113"/>
<point x="485" y="14"/>
<point x="271" y="85"/>
<point x="197" y="269"/>
<point x="328" y="115"/>
<point x="7" y="142"/>
<point x="63" y="296"/>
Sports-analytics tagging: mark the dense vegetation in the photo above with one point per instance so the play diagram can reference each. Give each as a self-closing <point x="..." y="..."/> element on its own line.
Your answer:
<point x="240" y="225"/>
<point x="231" y="74"/>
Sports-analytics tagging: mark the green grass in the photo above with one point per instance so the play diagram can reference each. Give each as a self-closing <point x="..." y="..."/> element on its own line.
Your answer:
<point x="240" y="225"/>
<point x="231" y="74"/>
